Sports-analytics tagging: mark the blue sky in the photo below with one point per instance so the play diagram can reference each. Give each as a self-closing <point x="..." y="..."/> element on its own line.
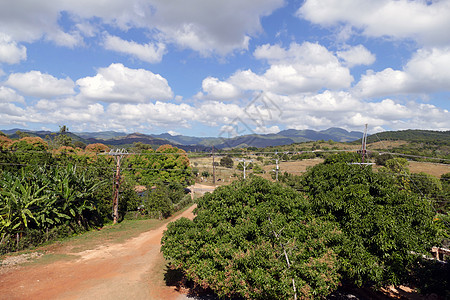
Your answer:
<point x="222" y="68"/>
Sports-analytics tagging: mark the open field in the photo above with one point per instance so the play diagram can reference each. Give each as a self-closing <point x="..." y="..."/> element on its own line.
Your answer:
<point x="205" y="164"/>
<point x="293" y="167"/>
<point x="299" y="167"/>
<point x="429" y="168"/>
<point x="226" y="176"/>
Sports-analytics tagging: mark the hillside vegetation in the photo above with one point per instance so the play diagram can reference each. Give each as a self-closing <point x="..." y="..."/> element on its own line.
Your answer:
<point x="417" y="136"/>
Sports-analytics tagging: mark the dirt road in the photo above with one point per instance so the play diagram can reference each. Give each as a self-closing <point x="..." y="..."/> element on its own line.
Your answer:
<point x="130" y="270"/>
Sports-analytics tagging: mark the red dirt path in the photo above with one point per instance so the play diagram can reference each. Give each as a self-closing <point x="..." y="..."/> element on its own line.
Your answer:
<point x="130" y="270"/>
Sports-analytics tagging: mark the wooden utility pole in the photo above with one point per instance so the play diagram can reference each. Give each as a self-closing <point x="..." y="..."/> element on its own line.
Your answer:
<point x="118" y="154"/>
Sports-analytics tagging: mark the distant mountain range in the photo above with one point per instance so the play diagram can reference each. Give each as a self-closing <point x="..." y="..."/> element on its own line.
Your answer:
<point x="190" y="143"/>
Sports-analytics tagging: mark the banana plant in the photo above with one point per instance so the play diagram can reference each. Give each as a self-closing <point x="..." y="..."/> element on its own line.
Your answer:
<point x="19" y="199"/>
<point x="50" y="214"/>
<point x="74" y="189"/>
<point x="5" y="222"/>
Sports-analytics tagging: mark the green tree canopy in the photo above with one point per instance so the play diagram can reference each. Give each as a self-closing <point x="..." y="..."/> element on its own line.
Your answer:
<point x="166" y="164"/>
<point x="252" y="240"/>
<point x="382" y="223"/>
<point x="226" y="161"/>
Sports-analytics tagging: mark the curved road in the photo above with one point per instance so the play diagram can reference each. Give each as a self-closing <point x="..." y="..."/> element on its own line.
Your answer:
<point x="130" y="270"/>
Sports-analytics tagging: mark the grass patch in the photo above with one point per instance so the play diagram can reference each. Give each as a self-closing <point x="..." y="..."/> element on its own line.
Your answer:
<point x="49" y="258"/>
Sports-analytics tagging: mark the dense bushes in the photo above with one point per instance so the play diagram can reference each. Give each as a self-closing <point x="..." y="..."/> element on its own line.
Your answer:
<point x="253" y="240"/>
<point x="226" y="161"/>
<point x="166" y="164"/>
<point x="382" y="224"/>
<point x="348" y="223"/>
<point x="47" y="198"/>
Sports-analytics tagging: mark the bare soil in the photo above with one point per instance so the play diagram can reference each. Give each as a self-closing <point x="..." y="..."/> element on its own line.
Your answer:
<point x="133" y="269"/>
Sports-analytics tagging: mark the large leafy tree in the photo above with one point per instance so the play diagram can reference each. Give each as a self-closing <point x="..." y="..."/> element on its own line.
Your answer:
<point x="383" y="223"/>
<point x="166" y="164"/>
<point x="255" y="240"/>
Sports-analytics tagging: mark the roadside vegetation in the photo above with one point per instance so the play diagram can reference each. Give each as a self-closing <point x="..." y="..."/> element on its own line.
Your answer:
<point x="51" y="189"/>
<point x="337" y="223"/>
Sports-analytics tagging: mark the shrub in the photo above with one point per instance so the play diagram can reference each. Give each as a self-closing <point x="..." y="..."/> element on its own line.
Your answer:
<point x="252" y="240"/>
<point x="226" y="162"/>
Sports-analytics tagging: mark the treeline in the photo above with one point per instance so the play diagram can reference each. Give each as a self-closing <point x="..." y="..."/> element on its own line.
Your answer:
<point x="417" y="136"/>
<point x="48" y="190"/>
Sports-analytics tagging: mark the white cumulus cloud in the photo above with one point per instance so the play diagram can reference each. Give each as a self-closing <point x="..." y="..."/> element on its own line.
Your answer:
<point x="10" y="95"/>
<point x="207" y="27"/>
<point x="358" y="55"/>
<point x="427" y="71"/>
<point x="150" y="52"/>
<point x="305" y="67"/>
<point x="211" y="27"/>
<point x="118" y="83"/>
<point x="37" y="84"/>
<point x="219" y="90"/>
<point x="10" y="52"/>
<point x="424" y="21"/>
<point x="340" y="109"/>
<point x="66" y="39"/>
<point x="151" y="114"/>
<point x="267" y="130"/>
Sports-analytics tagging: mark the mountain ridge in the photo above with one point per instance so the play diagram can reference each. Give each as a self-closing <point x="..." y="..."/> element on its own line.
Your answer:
<point x="193" y="143"/>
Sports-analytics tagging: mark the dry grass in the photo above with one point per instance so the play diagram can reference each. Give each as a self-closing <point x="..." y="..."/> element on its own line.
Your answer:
<point x="429" y="168"/>
<point x="300" y="167"/>
<point x="292" y="167"/>
<point x="223" y="175"/>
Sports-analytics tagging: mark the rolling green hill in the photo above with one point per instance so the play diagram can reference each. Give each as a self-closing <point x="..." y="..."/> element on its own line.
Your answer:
<point x="411" y="135"/>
